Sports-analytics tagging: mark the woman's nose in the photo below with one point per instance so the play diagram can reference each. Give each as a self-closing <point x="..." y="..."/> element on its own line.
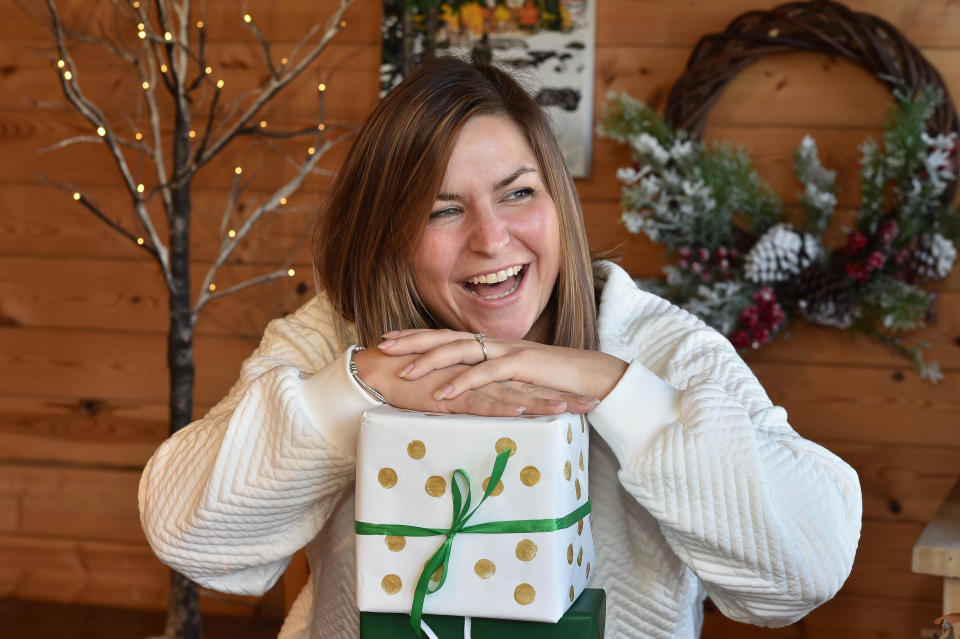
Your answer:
<point x="489" y="234"/>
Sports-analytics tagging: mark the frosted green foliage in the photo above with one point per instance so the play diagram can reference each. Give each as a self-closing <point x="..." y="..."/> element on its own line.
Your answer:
<point x="719" y="303"/>
<point x="819" y="197"/>
<point x="681" y="193"/>
<point x="873" y="181"/>
<point x="895" y="305"/>
<point x="624" y="118"/>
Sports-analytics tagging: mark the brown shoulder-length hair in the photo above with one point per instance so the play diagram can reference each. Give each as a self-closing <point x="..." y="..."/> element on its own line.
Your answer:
<point x="378" y="206"/>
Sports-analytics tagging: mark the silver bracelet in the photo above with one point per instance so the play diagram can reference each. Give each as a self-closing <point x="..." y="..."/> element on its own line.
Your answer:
<point x="356" y="376"/>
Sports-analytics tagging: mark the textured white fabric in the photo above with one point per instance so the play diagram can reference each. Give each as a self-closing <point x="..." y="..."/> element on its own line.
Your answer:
<point x="715" y="495"/>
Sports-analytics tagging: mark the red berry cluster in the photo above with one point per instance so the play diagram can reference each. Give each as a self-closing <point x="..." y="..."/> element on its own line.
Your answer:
<point x="866" y="256"/>
<point x="709" y="265"/>
<point x="759" y="321"/>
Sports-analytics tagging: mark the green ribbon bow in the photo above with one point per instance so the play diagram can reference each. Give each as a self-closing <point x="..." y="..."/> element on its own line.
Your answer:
<point x="461" y="515"/>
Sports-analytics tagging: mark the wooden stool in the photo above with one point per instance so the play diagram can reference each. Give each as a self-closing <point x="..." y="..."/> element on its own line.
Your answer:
<point x="937" y="552"/>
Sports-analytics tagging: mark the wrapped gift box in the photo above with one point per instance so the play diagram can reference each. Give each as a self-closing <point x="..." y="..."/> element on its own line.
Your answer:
<point x="405" y="466"/>
<point x="584" y="620"/>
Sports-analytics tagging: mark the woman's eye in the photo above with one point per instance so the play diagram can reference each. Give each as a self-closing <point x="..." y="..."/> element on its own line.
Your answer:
<point x="447" y="212"/>
<point x="520" y="194"/>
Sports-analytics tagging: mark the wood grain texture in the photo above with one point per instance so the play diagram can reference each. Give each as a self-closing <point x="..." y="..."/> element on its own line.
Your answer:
<point x="82" y="353"/>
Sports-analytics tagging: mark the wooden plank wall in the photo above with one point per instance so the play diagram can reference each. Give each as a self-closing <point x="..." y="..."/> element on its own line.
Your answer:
<point x="82" y="372"/>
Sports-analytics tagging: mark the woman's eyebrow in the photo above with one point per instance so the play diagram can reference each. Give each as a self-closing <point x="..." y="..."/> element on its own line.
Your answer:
<point x="456" y="197"/>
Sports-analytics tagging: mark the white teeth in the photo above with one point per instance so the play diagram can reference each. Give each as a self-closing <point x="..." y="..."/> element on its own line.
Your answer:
<point x="493" y="278"/>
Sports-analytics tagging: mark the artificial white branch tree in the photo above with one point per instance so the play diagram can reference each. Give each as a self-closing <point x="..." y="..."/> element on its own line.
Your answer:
<point x="164" y="42"/>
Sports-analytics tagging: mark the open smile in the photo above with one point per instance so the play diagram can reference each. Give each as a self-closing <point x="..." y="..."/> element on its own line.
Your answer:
<point x="496" y="284"/>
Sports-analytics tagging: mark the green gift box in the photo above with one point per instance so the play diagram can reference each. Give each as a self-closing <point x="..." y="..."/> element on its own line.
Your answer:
<point x="585" y="619"/>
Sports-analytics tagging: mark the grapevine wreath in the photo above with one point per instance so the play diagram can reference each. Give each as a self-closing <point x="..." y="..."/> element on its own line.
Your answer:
<point x="737" y="263"/>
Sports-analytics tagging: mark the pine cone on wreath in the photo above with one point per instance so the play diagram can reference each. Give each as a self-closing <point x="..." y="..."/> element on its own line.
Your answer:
<point x="780" y="253"/>
<point x="824" y="297"/>
<point x="933" y="259"/>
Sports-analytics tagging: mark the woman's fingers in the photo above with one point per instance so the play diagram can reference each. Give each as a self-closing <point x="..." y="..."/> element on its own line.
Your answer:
<point x="460" y="351"/>
<point x="420" y="340"/>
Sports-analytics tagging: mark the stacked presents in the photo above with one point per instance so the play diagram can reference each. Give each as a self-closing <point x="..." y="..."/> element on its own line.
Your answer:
<point x="474" y="522"/>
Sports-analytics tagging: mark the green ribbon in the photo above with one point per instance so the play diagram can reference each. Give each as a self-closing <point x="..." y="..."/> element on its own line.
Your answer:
<point x="461" y="515"/>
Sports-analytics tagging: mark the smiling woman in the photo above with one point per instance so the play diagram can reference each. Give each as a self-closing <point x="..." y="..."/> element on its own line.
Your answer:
<point x="453" y="241"/>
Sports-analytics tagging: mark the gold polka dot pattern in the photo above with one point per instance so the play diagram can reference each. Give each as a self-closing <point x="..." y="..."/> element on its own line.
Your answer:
<point x="530" y="475"/>
<point x="391" y="584"/>
<point x="571" y="593"/>
<point x="581" y="460"/>
<point x="577" y="486"/>
<point x="580" y="557"/>
<point x="437" y="485"/>
<point x="387" y="477"/>
<point x="504" y="443"/>
<point x="570" y="554"/>
<point x="567" y="470"/>
<point x="496" y="490"/>
<point x="526" y="550"/>
<point x="580" y="527"/>
<point x="416" y="449"/>
<point x="484" y="568"/>
<point x="588" y="569"/>
<point x="569" y="434"/>
<point x="395" y="544"/>
<point x="524" y="594"/>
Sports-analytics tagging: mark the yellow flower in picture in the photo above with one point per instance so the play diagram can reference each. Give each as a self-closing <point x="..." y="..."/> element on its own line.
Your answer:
<point x="471" y="15"/>
<point x="450" y="17"/>
<point x="502" y="14"/>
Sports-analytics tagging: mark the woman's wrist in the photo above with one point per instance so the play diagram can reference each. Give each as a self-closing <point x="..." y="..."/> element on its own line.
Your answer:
<point x="354" y="369"/>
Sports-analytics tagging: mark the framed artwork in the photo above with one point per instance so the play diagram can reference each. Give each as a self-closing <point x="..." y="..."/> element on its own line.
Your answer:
<point x="547" y="44"/>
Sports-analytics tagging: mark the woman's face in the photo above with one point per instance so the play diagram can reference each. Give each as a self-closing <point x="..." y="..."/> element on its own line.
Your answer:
<point x="490" y="254"/>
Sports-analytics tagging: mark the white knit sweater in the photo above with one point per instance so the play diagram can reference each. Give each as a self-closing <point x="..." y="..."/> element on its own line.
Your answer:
<point x="699" y="485"/>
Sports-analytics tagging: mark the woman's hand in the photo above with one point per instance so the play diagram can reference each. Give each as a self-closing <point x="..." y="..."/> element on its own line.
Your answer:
<point x="589" y="375"/>
<point x="498" y="398"/>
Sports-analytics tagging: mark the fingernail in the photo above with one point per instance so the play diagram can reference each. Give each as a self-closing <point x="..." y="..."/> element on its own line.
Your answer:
<point x="443" y="392"/>
<point x="519" y="409"/>
<point x="556" y="402"/>
<point x="406" y="369"/>
<point x="387" y="343"/>
<point x="390" y="334"/>
<point x="588" y="400"/>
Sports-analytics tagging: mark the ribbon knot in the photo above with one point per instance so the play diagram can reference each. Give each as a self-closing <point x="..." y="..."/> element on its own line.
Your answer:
<point x="461" y="515"/>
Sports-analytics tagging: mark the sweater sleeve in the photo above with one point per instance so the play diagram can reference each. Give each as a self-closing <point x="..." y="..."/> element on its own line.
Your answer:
<point x="227" y="500"/>
<point x="768" y="521"/>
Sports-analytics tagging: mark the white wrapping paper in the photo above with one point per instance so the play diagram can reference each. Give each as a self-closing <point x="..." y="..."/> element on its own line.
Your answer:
<point x="405" y="465"/>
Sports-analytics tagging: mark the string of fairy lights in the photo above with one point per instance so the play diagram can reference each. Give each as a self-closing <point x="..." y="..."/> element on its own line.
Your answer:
<point x="102" y="130"/>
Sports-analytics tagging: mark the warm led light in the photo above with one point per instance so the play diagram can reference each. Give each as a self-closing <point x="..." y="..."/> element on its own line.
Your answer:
<point x="76" y="196"/>
<point x="283" y="60"/>
<point x="247" y="18"/>
<point x="283" y="200"/>
<point x="238" y="170"/>
<point x="140" y="241"/>
<point x="101" y="131"/>
<point x="219" y="84"/>
<point x="231" y="233"/>
<point x="67" y="75"/>
<point x="139" y="188"/>
<point x="192" y="133"/>
<point x="138" y="135"/>
<point x="163" y="68"/>
<point x="199" y="24"/>
<point x="321" y="87"/>
<point x="208" y="70"/>
<point x="136" y="4"/>
<point x="213" y="287"/>
<point x="311" y="151"/>
<point x="145" y="85"/>
<point x="61" y="63"/>
<point x="141" y="34"/>
<point x="263" y="124"/>
<point x="343" y="23"/>
<point x="291" y="272"/>
<point x="140" y="26"/>
<point x="321" y="126"/>
<point x="167" y="36"/>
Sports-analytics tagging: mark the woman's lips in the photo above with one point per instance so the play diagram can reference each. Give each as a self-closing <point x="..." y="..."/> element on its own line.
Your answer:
<point x="497" y="290"/>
